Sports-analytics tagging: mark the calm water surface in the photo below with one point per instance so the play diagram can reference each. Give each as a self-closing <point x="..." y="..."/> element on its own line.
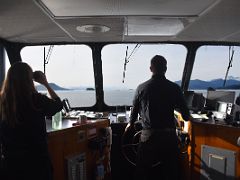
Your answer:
<point x="112" y="97"/>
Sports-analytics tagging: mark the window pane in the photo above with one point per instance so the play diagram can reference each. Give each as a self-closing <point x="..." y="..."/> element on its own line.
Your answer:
<point x="119" y="90"/>
<point x="70" y="67"/>
<point x="211" y="66"/>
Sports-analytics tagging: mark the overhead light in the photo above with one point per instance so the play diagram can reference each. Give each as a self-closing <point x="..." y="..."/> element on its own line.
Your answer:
<point x="93" y="28"/>
<point x="153" y="26"/>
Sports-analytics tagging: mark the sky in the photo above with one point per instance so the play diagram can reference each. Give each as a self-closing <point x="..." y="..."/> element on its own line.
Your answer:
<point x="71" y="65"/>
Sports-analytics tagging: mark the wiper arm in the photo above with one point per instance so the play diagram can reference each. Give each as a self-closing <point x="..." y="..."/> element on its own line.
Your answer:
<point x="229" y="64"/>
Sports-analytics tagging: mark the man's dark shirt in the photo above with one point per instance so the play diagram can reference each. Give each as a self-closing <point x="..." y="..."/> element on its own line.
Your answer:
<point x="155" y="101"/>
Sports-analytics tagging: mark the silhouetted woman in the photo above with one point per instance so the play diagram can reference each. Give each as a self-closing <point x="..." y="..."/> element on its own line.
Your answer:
<point x="22" y="125"/>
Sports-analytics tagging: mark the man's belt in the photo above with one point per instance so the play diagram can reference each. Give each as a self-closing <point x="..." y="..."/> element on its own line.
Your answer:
<point x="146" y="133"/>
<point x="159" y="130"/>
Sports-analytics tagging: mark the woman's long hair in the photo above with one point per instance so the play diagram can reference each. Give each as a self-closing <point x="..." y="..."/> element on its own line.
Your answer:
<point x="16" y="92"/>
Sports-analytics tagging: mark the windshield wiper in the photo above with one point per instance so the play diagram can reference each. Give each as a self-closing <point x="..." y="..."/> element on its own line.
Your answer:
<point x="230" y="57"/>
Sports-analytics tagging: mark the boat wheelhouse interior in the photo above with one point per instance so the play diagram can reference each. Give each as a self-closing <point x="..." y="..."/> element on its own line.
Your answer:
<point x="95" y="53"/>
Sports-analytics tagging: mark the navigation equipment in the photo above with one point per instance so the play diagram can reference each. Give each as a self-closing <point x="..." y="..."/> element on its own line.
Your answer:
<point x="215" y="97"/>
<point x="195" y="101"/>
<point x="66" y="105"/>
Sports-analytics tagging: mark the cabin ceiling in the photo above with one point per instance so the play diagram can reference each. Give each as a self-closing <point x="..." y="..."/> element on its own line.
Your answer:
<point x="73" y="21"/>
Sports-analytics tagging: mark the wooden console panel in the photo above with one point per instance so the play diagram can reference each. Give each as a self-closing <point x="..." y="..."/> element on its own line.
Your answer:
<point x="216" y="136"/>
<point x="74" y="140"/>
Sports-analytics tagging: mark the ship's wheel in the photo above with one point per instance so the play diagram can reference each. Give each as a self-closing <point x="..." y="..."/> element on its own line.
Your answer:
<point x="131" y="139"/>
<point x="130" y="142"/>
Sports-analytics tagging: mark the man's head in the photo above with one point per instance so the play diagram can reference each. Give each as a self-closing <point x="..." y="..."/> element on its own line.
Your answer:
<point x="158" y="65"/>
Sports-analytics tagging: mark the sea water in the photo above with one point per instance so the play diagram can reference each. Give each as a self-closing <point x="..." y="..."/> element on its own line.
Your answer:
<point x="83" y="98"/>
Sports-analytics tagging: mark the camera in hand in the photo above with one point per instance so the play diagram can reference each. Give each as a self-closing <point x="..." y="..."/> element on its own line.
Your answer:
<point x="36" y="75"/>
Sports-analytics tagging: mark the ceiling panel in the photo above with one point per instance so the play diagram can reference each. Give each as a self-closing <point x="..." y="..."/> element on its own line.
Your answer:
<point x="23" y="20"/>
<point x="60" y="8"/>
<point x="203" y="20"/>
<point x="216" y="25"/>
<point x="116" y="25"/>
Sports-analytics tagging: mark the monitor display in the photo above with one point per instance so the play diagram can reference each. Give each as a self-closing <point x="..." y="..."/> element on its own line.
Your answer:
<point x="188" y="95"/>
<point x="195" y="101"/>
<point x="222" y="107"/>
<point x="213" y="97"/>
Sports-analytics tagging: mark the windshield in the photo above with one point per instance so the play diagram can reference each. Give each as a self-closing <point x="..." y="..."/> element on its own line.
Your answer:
<point x="125" y="66"/>
<point x="69" y="69"/>
<point x="212" y="65"/>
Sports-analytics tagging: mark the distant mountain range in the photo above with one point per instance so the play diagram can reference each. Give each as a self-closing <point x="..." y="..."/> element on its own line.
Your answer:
<point x="52" y="85"/>
<point x="59" y="88"/>
<point x="233" y="83"/>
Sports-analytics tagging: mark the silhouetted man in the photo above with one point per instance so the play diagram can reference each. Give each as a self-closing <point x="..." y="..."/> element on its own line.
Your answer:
<point x="155" y="101"/>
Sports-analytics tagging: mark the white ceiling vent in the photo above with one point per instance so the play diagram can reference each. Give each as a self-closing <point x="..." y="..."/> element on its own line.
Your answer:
<point x="150" y="26"/>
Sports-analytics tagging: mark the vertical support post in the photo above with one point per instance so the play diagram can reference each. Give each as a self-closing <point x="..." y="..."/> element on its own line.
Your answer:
<point x="2" y="65"/>
<point x="13" y="52"/>
<point x="191" y="53"/>
<point x="98" y="75"/>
